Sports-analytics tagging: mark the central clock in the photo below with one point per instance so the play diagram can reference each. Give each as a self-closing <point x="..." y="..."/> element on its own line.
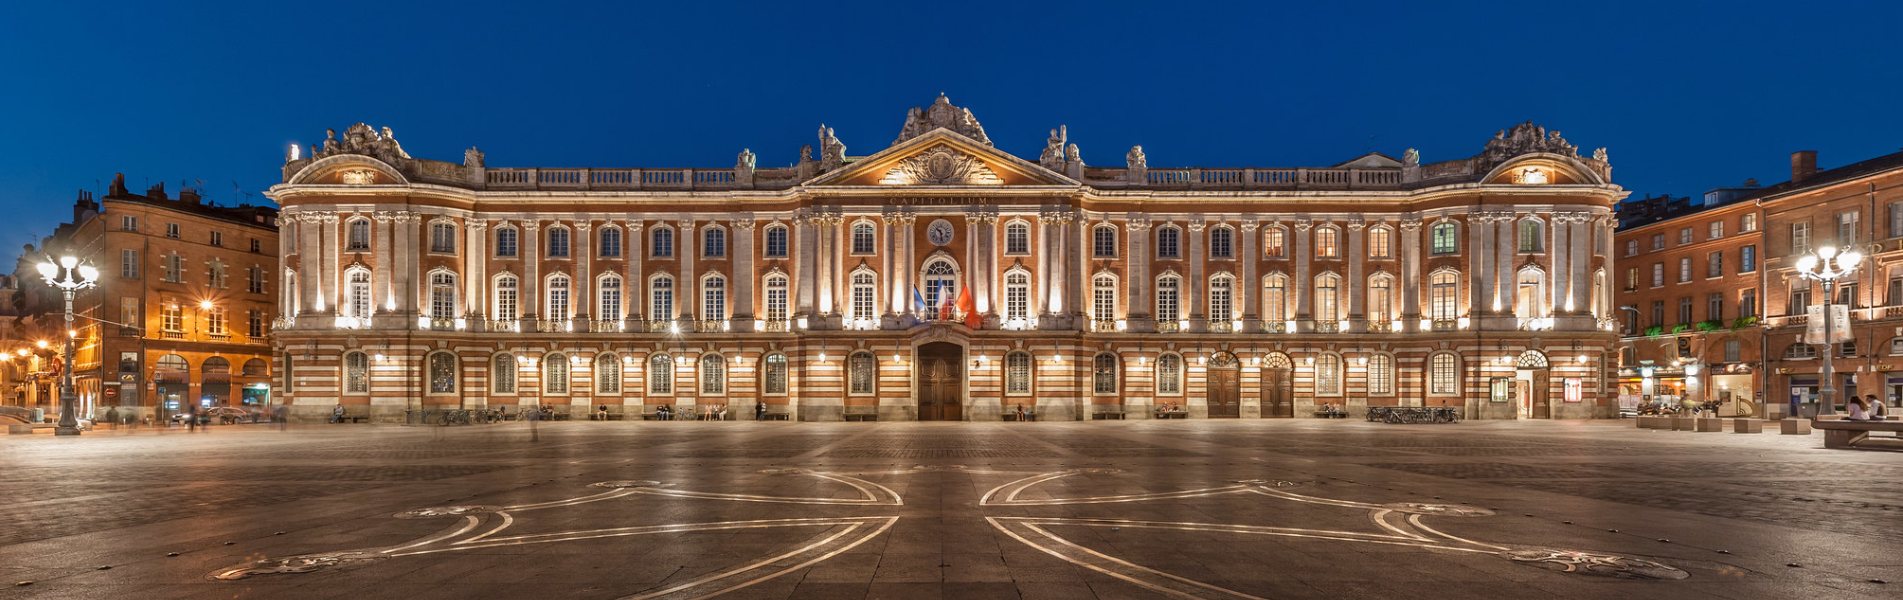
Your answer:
<point x="939" y="232"/>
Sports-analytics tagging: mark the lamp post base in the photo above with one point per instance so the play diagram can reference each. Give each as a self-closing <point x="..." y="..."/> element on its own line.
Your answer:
<point x="66" y="431"/>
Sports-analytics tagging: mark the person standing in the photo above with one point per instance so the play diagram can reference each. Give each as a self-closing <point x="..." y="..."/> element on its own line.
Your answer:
<point x="759" y="411"/>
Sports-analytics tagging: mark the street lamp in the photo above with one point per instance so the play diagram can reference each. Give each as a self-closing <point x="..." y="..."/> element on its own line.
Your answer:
<point x="70" y="277"/>
<point x="1827" y="265"/>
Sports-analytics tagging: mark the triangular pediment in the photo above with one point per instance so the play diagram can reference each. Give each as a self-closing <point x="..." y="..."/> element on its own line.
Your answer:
<point x="941" y="157"/>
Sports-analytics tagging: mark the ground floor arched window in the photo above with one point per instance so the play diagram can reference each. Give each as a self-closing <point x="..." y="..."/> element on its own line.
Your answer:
<point x="1104" y="374"/>
<point x="442" y="373"/>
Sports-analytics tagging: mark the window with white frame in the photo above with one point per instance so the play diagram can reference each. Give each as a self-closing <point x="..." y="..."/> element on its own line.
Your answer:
<point x="941" y="284"/>
<point x="558" y="289"/>
<point x="442" y="237"/>
<point x="1380" y="297"/>
<point x="862" y="370"/>
<point x="1169" y="298"/>
<point x="442" y="295"/>
<point x="1222" y="242"/>
<point x="129" y="263"/>
<point x="1328" y="297"/>
<point x="865" y="288"/>
<point x="607" y="374"/>
<point x="1445" y="238"/>
<point x="1328" y="375"/>
<point x="502" y="374"/>
<point x="356" y="373"/>
<point x="1443" y="374"/>
<point x="1222" y="298"/>
<point x="775" y="377"/>
<point x="554" y="374"/>
<point x="1684" y="269"/>
<point x="506" y="239"/>
<point x="1684" y="235"/>
<point x="1275" y="242"/>
<point x="357" y="302"/>
<point x="713" y="298"/>
<point x="1169" y="242"/>
<point x="1444" y="296"/>
<point x="1017" y="238"/>
<point x="864" y="239"/>
<point x="1327" y="242"/>
<point x="1800" y="238"/>
<point x="608" y="294"/>
<point x="776" y="292"/>
<point x="776" y="246"/>
<point x="1631" y="247"/>
<point x="713" y="242"/>
<point x="1715" y="230"/>
<point x="713" y="375"/>
<point x="507" y="290"/>
<point x="1847" y="227"/>
<point x="661" y="242"/>
<point x="215" y="321"/>
<point x="1532" y="235"/>
<point x="1381" y="375"/>
<point x="172" y="317"/>
<point x="660" y="375"/>
<point x="1017" y="296"/>
<point x="1275" y="298"/>
<point x="661" y="298"/>
<point x="215" y="274"/>
<point x="1748" y="223"/>
<point x="610" y="245"/>
<point x="1380" y="242"/>
<point x="1103" y="297"/>
<point x="1104" y="371"/>
<point x="357" y="234"/>
<point x="1017" y="373"/>
<point x="1169" y="374"/>
<point x="1103" y="241"/>
<point x="558" y="242"/>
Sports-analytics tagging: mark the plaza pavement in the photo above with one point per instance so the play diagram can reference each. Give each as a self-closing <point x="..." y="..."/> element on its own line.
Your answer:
<point x="1138" y="509"/>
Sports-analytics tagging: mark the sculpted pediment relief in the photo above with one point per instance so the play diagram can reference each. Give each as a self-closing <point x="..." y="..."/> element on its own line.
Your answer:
<point x="941" y="165"/>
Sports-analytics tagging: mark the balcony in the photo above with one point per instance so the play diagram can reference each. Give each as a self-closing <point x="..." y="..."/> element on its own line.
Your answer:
<point x="1380" y="326"/>
<point x="659" y="326"/>
<point x="1103" y="325"/>
<point x="1328" y="326"/>
<point x="711" y="325"/>
<point x="1224" y="327"/>
<point x="1170" y="326"/>
<point x="502" y="326"/>
<point x="775" y="325"/>
<point x="606" y="326"/>
<point x="1276" y="326"/>
<point x="1444" y="325"/>
<point x="172" y="335"/>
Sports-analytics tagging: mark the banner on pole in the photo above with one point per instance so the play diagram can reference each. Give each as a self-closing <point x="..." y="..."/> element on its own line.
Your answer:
<point x="1814" y="324"/>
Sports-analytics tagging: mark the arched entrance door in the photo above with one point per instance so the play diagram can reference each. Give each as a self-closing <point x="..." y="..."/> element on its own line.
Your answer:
<point x="1533" y="380"/>
<point x="1224" y="389"/>
<point x="1278" y="386"/>
<point x="940" y="378"/>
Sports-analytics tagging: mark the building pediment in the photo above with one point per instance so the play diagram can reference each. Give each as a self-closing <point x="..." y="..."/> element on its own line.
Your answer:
<point x="941" y="157"/>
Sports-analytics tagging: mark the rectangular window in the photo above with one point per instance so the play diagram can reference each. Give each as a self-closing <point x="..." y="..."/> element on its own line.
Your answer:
<point x="1715" y="307"/>
<point x="172" y="318"/>
<point x="1684" y="236"/>
<point x="1379" y="244"/>
<point x="129" y="264"/>
<point x="776" y="242"/>
<point x="1748" y="302"/>
<point x="256" y="246"/>
<point x="128" y="223"/>
<point x="1658" y="241"/>
<point x="1748" y="259"/>
<point x="215" y="320"/>
<point x="1017" y="238"/>
<point x="1684" y="269"/>
<point x="1800" y="238"/>
<point x="1715" y="264"/>
<point x="254" y="324"/>
<point x="1631" y="278"/>
<point x="1103" y="242"/>
<point x="1658" y="274"/>
<point x="1017" y="373"/>
<point x="1658" y="312"/>
<point x="506" y="242"/>
<point x="171" y="230"/>
<point x="217" y="238"/>
<point x="254" y="280"/>
<point x="1685" y="310"/>
<point x="1325" y="243"/>
<point x="1631" y="247"/>
<point x="1748" y="223"/>
<point x="1894" y="295"/>
<point x="1715" y="230"/>
<point x="175" y="269"/>
<point x="1896" y="219"/>
<point x="129" y="312"/>
<point x="1800" y="298"/>
<point x="1847" y="227"/>
<point x="1847" y="294"/>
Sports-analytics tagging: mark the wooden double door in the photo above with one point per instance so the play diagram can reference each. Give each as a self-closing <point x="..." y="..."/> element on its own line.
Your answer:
<point x="1278" y="392"/>
<point x="1224" y="386"/>
<point x="941" y="382"/>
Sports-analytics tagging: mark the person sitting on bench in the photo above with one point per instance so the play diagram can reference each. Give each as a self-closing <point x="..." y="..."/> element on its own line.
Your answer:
<point x="337" y="414"/>
<point x="1859" y="411"/>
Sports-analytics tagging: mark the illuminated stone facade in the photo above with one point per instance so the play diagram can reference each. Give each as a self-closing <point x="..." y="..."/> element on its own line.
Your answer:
<point x="942" y="278"/>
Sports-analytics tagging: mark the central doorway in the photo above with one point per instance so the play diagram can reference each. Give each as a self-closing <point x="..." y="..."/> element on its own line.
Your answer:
<point x="1533" y="385"/>
<point x="1225" y="392"/>
<point x="941" y="382"/>
<point x="1278" y="387"/>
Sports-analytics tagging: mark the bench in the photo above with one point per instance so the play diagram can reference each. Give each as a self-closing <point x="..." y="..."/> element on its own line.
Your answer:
<point x="854" y="413"/>
<point x="776" y="415"/>
<point x="1172" y="414"/>
<point x="1105" y="414"/>
<point x="1331" y="414"/>
<point x="1855" y="435"/>
<point x="351" y="414"/>
<point x="1012" y="415"/>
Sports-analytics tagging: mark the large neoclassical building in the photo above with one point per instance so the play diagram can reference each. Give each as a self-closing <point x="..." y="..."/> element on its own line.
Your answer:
<point x="940" y="278"/>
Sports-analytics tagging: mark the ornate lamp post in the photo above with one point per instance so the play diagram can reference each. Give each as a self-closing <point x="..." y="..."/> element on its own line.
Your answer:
<point x="1827" y="265"/>
<point x="70" y="277"/>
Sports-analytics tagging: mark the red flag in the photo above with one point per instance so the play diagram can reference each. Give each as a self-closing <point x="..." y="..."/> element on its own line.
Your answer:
<point x="970" y="308"/>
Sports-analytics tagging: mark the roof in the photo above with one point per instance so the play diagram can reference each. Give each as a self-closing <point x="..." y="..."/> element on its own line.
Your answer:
<point x="1829" y="177"/>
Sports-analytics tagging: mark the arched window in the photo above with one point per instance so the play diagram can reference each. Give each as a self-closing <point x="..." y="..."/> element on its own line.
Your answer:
<point x="1443" y="374"/>
<point x="1103" y="297"/>
<point x="1380" y="297"/>
<point x="502" y="374"/>
<point x="1103" y="374"/>
<point x="713" y="242"/>
<point x="661" y="298"/>
<point x="862" y="373"/>
<point x="1327" y="242"/>
<point x="1445" y="237"/>
<point x="863" y="241"/>
<point x="661" y="242"/>
<point x="1169" y="374"/>
<point x="554" y="373"/>
<point x="608" y="295"/>
<point x="1529" y="293"/>
<point x="776" y="292"/>
<point x="1017" y="238"/>
<point x="442" y="295"/>
<point x="1275" y="297"/>
<point x="1222" y="298"/>
<point x="775" y="378"/>
<point x="1017" y="373"/>
<point x="607" y="373"/>
<point x="1103" y="241"/>
<point x="443" y="373"/>
<point x="610" y="246"/>
<point x="1380" y="242"/>
<point x="1443" y="296"/>
<point x="865" y="289"/>
<point x="558" y="242"/>
<point x="1222" y="242"/>
<point x="713" y="297"/>
<point x="776" y="241"/>
<point x="358" y="235"/>
<point x="1275" y="242"/>
<point x="1017" y="297"/>
<point x="1381" y="375"/>
<point x="1532" y="235"/>
<point x="215" y="383"/>
<point x="507" y="300"/>
<point x="1800" y="350"/>
<point x="1328" y="374"/>
<point x="1169" y="297"/>
<point x="507" y="238"/>
<point x="255" y="367"/>
<point x="356" y="373"/>
<point x="1169" y="242"/>
<point x="1327" y="297"/>
<point x="661" y="375"/>
<point x="442" y="237"/>
<point x="941" y="283"/>
<point x="557" y="308"/>
<point x="713" y="375"/>
<point x="357" y="301"/>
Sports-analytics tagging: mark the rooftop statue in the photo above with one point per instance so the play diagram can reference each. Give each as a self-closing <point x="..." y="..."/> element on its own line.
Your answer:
<point x="1053" y="156"/>
<point x="942" y="115"/>
<point x="361" y="139"/>
<point x="1525" y="138"/>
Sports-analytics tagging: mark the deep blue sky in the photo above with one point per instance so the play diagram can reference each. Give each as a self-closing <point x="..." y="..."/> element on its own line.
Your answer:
<point x="1687" y="95"/>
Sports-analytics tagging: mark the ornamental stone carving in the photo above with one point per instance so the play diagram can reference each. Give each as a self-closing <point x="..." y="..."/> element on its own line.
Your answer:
<point x="362" y="139"/>
<point x="832" y="152"/>
<point x="942" y="115"/>
<point x="1525" y="138"/>
<point x="1053" y="156"/>
<point x="942" y="165"/>
<point x="1137" y="165"/>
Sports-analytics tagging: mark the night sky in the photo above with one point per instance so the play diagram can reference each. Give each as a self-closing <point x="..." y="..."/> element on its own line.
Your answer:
<point x="1686" y="95"/>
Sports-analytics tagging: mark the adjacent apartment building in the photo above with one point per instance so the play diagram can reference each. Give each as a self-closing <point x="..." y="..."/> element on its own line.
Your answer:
<point x="182" y="309"/>
<point x="941" y="277"/>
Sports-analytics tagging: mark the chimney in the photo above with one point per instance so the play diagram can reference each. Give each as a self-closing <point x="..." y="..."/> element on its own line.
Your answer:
<point x="188" y="196"/>
<point x="118" y="185"/>
<point x="156" y="192"/>
<point x="1803" y="165"/>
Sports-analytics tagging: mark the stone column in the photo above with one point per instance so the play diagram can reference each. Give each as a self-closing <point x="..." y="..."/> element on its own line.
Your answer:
<point x="530" y="299"/>
<point x="886" y="260"/>
<point x="1559" y="273"/>
<point x="1300" y="284"/>
<point x="826" y="226"/>
<point x="476" y="269"/>
<point x="1082" y="249"/>
<point x="1505" y="270"/>
<point x="332" y="250"/>
<point x="1060" y="255"/>
<point x="1194" y="282"/>
<point x="416" y="278"/>
<point x="1041" y="286"/>
<point x="1248" y="288"/>
<point x="805" y="263"/>
<point x="1480" y="256"/>
<point x="1357" y="283"/>
<point x="581" y="299"/>
<point x="385" y="279"/>
<point x="901" y="272"/>
<point x="1137" y="279"/>
<point x="688" y="288"/>
<point x="983" y="224"/>
<point x="634" y="293"/>
<point x="403" y="269"/>
<point x="743" y="276"/>
<point x="310" y="284"/>
<point x="1411" y="275"/>
<point x="1580" y="300"/>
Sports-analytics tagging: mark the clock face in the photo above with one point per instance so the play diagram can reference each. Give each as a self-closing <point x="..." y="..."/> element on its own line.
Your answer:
<point x="939" y="233"/>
